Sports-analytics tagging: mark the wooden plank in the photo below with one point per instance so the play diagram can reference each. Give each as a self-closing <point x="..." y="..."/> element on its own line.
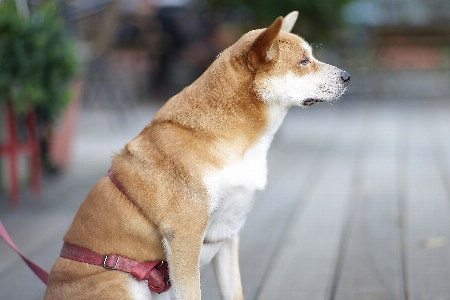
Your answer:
<point x="292" y="155"/>
<point x="372" y="264"/>
<point x="304" y="265"/>
<point x="427" y="218"/>
<point x="20" y="283"/>
<point x="438" y="126"/>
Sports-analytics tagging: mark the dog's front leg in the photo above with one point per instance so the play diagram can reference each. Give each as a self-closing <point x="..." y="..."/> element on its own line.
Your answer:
<point x="182" y="243"/>
<point x="226" y="268"/>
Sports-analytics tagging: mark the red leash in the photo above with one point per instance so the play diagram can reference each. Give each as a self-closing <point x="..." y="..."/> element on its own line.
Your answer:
<point x="41" y="273"/>
<point x="155" y="272"/>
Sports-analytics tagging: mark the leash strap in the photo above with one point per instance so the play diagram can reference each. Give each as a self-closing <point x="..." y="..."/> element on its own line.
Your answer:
<point x="41" y="273"/>
<point x="155" y="272"/>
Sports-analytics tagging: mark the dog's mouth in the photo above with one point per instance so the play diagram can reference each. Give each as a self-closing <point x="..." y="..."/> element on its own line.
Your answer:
<point x="310" y="102"/>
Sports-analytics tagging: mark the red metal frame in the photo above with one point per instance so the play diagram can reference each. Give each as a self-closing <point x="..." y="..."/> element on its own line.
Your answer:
<point x="13" y="147"/>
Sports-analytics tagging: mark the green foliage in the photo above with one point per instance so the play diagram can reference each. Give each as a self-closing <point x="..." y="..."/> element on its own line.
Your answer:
<point x="37" y="59"/>
<point x="317" y="18"/>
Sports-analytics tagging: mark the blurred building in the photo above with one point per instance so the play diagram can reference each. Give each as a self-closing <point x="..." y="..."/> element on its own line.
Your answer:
<point x="144" y="50"/>
<point x="393" y="48"/>
<point x="404" y="47"/>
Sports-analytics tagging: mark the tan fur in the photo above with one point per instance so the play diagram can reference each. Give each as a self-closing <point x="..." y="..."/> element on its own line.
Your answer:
<point x="208" y="125"/>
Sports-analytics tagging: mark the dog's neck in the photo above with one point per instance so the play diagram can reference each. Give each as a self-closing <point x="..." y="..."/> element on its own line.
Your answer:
<point x="210" y="106"/>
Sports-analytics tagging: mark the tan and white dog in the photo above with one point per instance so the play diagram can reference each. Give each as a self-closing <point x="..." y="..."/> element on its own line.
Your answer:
<point x="186" y="182"/>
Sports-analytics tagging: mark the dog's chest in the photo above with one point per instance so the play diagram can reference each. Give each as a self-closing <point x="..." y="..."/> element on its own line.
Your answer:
<point x="231" y="188"/>
<point x="230" y="192"/>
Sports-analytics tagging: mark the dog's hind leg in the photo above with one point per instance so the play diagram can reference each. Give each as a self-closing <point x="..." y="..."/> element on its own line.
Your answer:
<point x="226" y="269"/>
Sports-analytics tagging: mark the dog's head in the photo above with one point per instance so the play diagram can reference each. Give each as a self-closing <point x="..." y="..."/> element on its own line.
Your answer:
<point x="286" y="72"/>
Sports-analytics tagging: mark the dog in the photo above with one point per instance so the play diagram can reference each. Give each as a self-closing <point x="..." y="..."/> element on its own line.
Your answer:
<point x="178" y="194"/>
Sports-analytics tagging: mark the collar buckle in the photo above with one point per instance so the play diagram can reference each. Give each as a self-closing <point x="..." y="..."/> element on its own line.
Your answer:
<point x="108" y="259"/>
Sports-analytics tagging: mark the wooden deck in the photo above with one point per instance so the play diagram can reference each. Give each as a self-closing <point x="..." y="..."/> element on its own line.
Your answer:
<point x="357" y="206"/>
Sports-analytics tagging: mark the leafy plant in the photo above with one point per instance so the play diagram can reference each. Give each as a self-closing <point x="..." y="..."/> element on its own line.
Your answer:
<point x="37" y="59"/>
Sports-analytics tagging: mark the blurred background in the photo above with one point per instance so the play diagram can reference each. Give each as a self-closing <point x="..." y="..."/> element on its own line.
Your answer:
<point x="80" y="78"/>
<point x="121" y="54"/>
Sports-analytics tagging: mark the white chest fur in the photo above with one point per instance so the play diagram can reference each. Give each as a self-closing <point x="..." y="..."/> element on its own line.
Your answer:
<point x="231" y="188"/>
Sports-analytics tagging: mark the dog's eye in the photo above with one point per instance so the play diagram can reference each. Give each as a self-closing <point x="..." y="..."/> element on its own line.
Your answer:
<point x="304" y="62"/>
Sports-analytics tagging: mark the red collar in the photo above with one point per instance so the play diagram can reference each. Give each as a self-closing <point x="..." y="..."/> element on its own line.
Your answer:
<point x="155" y="272"/>
<point x="119" y="186"/>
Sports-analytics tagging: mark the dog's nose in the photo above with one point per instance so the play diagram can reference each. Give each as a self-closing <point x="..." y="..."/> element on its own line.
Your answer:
<point x="345" y="76"/>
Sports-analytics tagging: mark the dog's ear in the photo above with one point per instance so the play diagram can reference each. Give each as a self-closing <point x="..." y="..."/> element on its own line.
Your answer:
<point x="264" y="48"/>
<point x="289" y="21"/>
